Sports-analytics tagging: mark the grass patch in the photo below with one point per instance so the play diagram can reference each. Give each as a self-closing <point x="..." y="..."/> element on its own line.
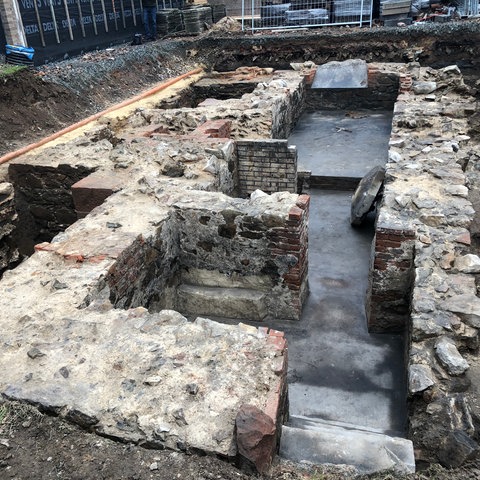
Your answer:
<point x="6" y="69"/>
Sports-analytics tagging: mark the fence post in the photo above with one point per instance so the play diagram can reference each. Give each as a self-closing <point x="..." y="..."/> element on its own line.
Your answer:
<point x="12" y="23"/>
<point x="253" y="20"/>
<point x="243" y="15"/>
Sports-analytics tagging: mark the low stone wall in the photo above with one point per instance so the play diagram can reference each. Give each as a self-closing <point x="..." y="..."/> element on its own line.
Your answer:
<point x="267" y="165"/>
<point x="224" y="247"/>
<point x="43" y="200"/>
<point x="190" y="382"/>
<point x="152" y="222"/>
<point x="380" y="94"/>
<point x="423" y="252"/>
<point x="8" y="220"/>
<point x="260" y="244"/>
<point x="270" y="111"/>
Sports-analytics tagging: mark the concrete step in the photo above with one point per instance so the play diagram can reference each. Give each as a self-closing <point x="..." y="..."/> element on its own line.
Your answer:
<point x="238" y="303"/>
<point x="312" y="423"/>
<point x="367" y="451"/>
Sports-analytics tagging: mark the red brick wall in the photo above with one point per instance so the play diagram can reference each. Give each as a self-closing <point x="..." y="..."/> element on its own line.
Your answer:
<point x="292" y="240"/>
<point x="390" y="280"/>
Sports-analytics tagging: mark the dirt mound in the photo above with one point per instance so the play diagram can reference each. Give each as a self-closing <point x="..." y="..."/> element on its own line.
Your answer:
<point x="31" y="108"/>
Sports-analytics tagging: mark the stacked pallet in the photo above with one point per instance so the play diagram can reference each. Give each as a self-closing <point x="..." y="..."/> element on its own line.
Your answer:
<point x="197" y="19"/>
<point x="218" y="12"/>
<point x="169" y="20"/>
<point x="395" y="11"/>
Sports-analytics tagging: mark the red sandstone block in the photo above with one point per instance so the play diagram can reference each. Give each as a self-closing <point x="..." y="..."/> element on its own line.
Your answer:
<point x="279" y="343"/>
<point x="292" y="280"/>
<point x="310" y="75"/>
<point x="383" y="242"/>
<point x="275" y="333"/>
<point x="44" y="247"/>
<point x="464" y="238"/>
<point x="91" y="191"/>
<point x="215" y="128"/>
<point x="97" y="259"/>
<point x="379" y="264"/>
<point x="303" y="201"/>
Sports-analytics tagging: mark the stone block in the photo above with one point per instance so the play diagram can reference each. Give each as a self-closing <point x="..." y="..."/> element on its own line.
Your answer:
<point x="256" y="439"/>
<point x="222" y="302"/>
<point x="458" y="449"/>
<point x="91" y="191"/>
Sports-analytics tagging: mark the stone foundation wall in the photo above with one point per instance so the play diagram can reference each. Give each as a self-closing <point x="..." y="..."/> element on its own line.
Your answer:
<point x="251" y="248"/>
<point x="145" y="273"/>
<point x="424" y="217"/>
<point x="381" y="93"/>
<point x="43" y="200"/>
<point x="8" y="219"/>
<point x="267" y="165"/>
<point x="270" y="111"/>
<point x="253" y="252"/>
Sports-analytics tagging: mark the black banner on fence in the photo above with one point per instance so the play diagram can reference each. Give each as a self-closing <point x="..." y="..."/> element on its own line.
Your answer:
<point x="3" y="40"/>
<point x="56" y="27"/>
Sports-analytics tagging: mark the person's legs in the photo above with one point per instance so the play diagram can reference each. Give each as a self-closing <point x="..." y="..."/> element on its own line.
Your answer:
<point x="154" y="23"/>
<point x="146" y="21"/>
<point x="150" y="22"/>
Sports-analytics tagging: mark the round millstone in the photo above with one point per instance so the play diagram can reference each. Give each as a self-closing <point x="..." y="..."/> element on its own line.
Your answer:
<point x="366" y="194"/>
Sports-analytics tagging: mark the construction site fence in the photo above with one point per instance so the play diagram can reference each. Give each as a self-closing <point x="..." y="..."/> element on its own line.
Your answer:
<point x="267" y="15"/>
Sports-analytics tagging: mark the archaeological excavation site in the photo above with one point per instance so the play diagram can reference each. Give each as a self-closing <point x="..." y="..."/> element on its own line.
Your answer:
<point x="255" y="250"/>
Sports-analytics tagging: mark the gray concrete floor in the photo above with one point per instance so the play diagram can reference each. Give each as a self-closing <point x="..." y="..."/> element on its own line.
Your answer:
<point x="342" y="143"/>
<point x="337" y="370"/>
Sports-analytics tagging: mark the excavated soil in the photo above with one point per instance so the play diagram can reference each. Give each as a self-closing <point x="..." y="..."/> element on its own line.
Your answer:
<point x="35" y="103"/>
<point x="31" y="108"/>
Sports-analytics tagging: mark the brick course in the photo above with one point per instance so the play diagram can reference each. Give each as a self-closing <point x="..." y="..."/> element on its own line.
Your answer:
<point x="268" y="165"/>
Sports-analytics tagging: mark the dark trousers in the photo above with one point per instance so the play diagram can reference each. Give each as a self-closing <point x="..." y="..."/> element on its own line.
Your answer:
<point x="150" y="21"/>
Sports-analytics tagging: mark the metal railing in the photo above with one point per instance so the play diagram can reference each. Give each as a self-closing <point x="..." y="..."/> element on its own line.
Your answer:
<point x="272" y="14"/>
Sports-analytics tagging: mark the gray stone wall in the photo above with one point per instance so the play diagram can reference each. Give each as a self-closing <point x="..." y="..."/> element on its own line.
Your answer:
<point x="43" y="200"/>
<point x="424" y="251"/>
<point x="381" y="93"/>
<point x="267" y="165"/>
<point x="270" y="111"/>
<point x="8" y="219"/>
<point x="254" y="252"/>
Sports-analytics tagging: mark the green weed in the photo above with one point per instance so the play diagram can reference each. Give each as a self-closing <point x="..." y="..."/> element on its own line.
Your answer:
<point x="6" y="69"/>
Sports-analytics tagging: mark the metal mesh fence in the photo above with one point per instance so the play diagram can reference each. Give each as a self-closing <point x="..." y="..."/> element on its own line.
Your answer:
<point x="271" y="14"/>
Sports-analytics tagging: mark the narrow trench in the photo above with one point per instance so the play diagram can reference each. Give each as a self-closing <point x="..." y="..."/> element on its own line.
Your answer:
<point x="340" y="375"/>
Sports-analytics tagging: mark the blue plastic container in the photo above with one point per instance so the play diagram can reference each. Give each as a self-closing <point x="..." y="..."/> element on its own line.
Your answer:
<point x="18" y="55"/>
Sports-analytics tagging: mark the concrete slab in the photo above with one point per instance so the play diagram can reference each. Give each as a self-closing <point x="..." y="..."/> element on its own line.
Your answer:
<point x="214" y="301"/>
<point x="342" y="143"/>
<point x="337" y="370"/>
<point x="369" y="452"/>
<point x="347" y="74"/>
